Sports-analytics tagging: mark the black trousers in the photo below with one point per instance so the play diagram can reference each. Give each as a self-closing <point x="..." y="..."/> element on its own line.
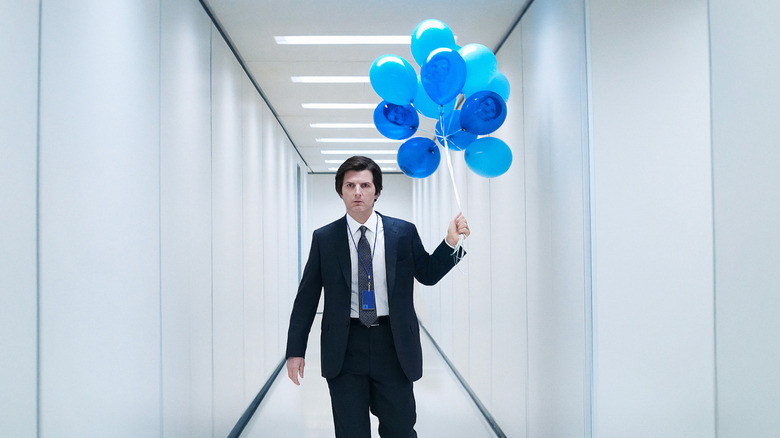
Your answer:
<point x="372" y="379"/>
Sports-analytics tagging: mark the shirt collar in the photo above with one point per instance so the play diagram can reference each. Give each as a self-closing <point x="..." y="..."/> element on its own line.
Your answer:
<point x="371" y="223"/>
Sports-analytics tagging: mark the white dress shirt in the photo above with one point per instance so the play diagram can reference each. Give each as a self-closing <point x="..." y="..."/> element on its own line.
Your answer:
<point x="379" y="280"/>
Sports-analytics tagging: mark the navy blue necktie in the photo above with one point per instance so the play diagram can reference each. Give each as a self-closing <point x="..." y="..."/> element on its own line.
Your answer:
<point x="367" y="317"/>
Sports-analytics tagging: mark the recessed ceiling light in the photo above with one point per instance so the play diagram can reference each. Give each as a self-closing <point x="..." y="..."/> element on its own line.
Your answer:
<point x="359" y="152"/>
<point x="344" y="39"/>
<point x="342" y="125"/>
<point x="339" y="105"/>
<point x="356" y="140"/>
<point x="331" y="79"/>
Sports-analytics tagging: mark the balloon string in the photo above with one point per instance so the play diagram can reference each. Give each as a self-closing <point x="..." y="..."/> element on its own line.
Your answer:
<point x="452" y="174"/>
<point x="456" y="253"/>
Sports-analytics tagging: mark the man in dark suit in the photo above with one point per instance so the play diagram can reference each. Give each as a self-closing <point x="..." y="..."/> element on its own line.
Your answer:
<point x="366" y="264"/>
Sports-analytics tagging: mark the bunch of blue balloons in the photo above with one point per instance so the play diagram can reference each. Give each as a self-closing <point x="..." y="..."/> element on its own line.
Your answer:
<point x="446" y="71"/>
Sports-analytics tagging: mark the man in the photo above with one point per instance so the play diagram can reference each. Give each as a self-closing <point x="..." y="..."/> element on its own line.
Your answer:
<point x="366" y="263"/>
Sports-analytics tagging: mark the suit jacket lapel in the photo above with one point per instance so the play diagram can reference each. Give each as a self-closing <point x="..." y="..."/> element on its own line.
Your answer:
<point x="341" y="247"/>
<point x="391" y="252"/>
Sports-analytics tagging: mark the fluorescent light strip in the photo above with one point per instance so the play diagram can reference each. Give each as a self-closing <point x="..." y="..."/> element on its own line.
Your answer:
<point x="331" y="79"/>
<point x="342" y="125"/>
<point x="356" y="140"/>
<point x="359" y="152"/>
<point x="376" y="161"/>
<point x="338" y="105"/>
<point x="344" y="39"/>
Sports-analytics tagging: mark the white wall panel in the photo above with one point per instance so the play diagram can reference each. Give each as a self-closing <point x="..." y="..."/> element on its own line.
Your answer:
<point x="272" y="263"/>
<point x="508" y="259"/>
<point x="99" y="219"/>
<point x="185" y="216"/>
<point x="18" y="214"/>
<point x="480" y="297"/>
<point x="288" y="237"/>
<point x="554" y="114"/>
<point x="652" y="219"/>
<point x="746" y="159"/>
<point x="227" y="235"/>
<point x="255" y="374"/>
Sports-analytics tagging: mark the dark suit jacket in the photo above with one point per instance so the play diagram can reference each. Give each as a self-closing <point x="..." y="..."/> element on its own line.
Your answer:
<point x="329" y="269"/>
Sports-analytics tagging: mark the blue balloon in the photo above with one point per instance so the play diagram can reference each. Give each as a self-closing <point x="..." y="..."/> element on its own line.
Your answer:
<point x="429" y="108"/>
<point x="393" y="79"/>
<point x="428" y="36"/>
<point x="396" y="121"/>
<point x="483" y="112"/>
<point x="488" y="157"/>
<point x="457" y="138"/>
<point x="481" y="65"/>
<point x="499" y="84"/>
<point x="443" y="75"/>
<point x="418" y="157"/>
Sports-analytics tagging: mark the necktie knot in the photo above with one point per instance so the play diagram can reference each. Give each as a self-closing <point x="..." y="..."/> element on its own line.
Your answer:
<point x="362" y="230"/>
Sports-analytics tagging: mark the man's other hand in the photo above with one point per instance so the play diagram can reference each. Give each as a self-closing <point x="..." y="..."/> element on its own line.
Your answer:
<point x="295" y="368"/>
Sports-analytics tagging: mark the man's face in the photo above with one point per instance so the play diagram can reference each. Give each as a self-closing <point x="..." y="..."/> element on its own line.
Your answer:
<point x="358" y="193"/>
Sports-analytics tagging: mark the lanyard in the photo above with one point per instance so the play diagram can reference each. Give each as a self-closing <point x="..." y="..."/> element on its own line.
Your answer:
<point x="373" y="251"/>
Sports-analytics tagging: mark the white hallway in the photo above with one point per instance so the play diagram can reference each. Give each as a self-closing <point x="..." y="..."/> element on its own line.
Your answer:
<point x="621" y="279"/>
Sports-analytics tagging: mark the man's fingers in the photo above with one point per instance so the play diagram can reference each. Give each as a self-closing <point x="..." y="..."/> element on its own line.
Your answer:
<point x="295" y="368"/>
<point x="293" y="375"/>
<point x="461" y="225"/>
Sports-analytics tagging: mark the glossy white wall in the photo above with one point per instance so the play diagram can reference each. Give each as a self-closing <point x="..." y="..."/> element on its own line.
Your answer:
<point x="18" y="214"/>
<point x="99" y="219"/>
<point x="227" y="234"/>
<point x="652" y="219"/>
<point x="255" y="371"/>
<point x="746" y="159"/>
<point x="508" y="267"/>
<point x="147" y="181"/>
<point x="556" y="180"/>
<point x="185" y="221"/>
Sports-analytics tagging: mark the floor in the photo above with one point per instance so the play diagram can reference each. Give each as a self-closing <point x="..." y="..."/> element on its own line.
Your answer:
<point x="444" y="408"/>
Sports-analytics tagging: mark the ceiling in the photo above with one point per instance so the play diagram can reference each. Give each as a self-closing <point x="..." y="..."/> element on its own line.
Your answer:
<point x="251" y="26"/>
